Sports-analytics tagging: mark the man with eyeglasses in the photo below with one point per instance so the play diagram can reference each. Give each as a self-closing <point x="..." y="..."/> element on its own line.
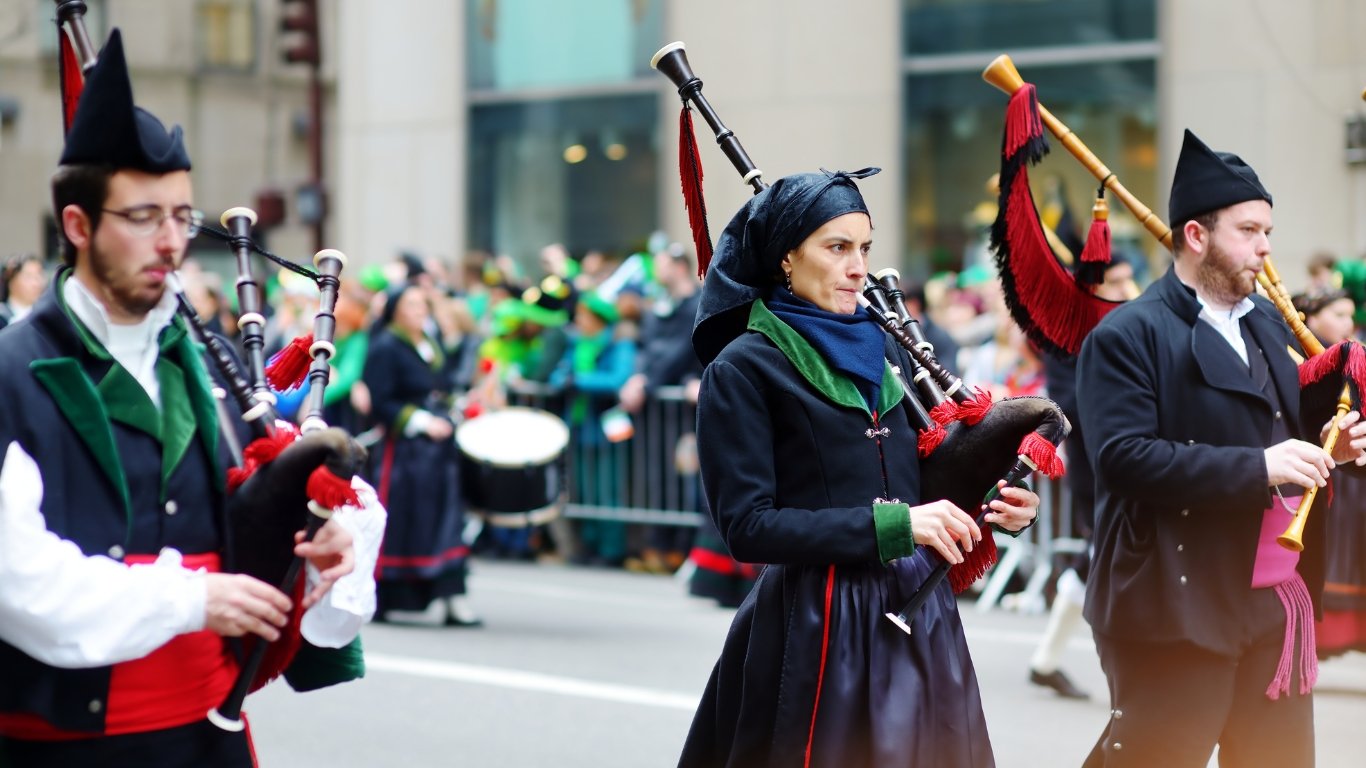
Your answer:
<point x="112" y="609"/>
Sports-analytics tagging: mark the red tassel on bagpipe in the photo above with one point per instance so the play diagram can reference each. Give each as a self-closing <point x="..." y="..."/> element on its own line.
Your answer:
<point x="1053" y="307"/>
<point x="289" y="367"/>
<point x="945" y="413"/>
<point x="260" y="451"/>
<point x="975" y="408"/>
<point x="975" y="563"/>
<point x="1097" y="250"/>
<point x="1043" y="453"/>
<point x="330" y="491"/>
<point x="69" y="77"/>
<point x="690" y="173"/>
<point x="929" y="439"/>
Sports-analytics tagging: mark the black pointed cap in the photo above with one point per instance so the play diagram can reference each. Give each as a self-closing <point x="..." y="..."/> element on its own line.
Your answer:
<point x="110" y="130"/>
<point x="1206" y="181"/>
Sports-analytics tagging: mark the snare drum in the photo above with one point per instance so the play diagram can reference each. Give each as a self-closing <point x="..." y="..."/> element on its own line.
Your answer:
<point x="511" y="465"/>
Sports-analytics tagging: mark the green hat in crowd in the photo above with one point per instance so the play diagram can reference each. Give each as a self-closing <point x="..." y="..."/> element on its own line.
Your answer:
<point x="1351" y="277"/>
<point x="600" y="306"/>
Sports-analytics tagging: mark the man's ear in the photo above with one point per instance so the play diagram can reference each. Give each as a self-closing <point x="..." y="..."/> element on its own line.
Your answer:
<point x="76" y="227"/>
<point x="1197" y="237"/>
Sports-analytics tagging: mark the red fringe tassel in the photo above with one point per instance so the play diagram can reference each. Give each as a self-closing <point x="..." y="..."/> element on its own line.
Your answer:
<point x="328" y="490"/>
<point x="1023" y="123"/>
<point x="289" y="366"/>
<point x="1043" y="453"/>
<point x="975" y="408"/>
<point x="260" y="451"/>
<point x="945" y="413"/>
<point x="1097" y="248"/>
<point x="975" y="563"/>
<point x="690" y="172"/>
<point x="930" y="438"/>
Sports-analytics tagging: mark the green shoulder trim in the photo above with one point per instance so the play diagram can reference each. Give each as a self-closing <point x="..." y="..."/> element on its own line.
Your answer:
<point x="892" y="521"/>
<point x="79" y="401"/>
<point x="203" y="406"/>
<point x="127" y="402"/>
<point x="814" y="368"/>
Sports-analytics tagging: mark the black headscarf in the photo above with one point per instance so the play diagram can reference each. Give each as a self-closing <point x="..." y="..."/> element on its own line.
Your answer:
<point x="746" y="263"/>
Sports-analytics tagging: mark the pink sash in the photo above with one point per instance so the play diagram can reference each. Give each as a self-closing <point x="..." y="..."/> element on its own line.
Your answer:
<point x="1275" y="567"/>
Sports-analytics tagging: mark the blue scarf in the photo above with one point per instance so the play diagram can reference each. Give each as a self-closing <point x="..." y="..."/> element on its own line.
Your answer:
<point x="851" y="344"/>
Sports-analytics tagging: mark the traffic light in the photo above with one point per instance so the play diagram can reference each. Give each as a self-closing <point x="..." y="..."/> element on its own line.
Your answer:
<point x="299" y="28"/>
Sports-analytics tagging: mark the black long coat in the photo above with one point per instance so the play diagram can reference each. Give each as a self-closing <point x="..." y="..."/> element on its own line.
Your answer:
<point x="810" y="662"/>
<point x="1176" y="432"/>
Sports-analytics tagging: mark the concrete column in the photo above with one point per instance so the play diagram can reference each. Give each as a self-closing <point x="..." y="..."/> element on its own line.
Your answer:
<point x="400" y="130"/>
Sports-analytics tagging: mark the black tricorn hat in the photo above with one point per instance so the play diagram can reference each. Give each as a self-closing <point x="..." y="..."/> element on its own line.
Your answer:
<point x="1206" y="181"/>
<point x="110" y="130"/>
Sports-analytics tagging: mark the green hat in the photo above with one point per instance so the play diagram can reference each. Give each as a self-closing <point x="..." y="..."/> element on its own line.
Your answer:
<point x="1351" y="277"/>
<point x="600" y="306"/>
<point x="373" y="279"/>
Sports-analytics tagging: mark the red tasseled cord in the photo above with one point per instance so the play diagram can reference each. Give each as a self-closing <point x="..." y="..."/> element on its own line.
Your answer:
<point x="975" y="563"/>
<point x="975" y="408"/>
<point x="1023" y="123"/>
<point x="1043" y="453"/>
<point x="1355" y="369"/>
<point x="1313" y="369"/>
<point x="330" y="491"/>
<point x="1098" y="238"/>
<point x="930" y="438"/>
<point x="289" y="366"/>
<point x="945" y="413"/>
<point x="70" y="79"/>
<point x="690" y="172"/>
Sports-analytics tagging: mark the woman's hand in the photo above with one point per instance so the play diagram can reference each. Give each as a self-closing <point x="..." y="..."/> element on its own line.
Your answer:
<point x="1014" y="509"/>
<point x="941" y="524"/>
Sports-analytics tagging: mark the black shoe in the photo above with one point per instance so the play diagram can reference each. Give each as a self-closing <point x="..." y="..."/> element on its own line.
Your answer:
<point x="1058" y="682"/>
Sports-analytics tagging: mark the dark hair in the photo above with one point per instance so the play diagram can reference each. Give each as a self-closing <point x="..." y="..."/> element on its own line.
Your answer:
<point x="12" y="266"/>
<point x="1206" y="220"/>
<point x="1310" y="304"/>
<point x="84" y="186"/>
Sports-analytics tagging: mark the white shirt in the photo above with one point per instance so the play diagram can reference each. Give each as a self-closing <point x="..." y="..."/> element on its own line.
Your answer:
<point x="1225" y="321"/>
<point x="68" y="609"/>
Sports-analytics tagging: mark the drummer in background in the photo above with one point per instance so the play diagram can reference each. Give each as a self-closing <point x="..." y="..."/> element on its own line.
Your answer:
<point x="598" y="363"/>
<point x="423" y="563"/>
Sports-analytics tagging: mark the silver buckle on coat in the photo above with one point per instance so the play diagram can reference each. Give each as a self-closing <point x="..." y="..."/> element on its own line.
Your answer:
<point x="871" y="433"/>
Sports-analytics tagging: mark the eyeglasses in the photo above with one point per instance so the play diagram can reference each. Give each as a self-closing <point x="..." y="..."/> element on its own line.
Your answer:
<point x="146" y="220"/>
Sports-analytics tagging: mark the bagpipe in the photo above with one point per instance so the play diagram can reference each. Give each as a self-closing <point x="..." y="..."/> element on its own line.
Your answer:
<point x="286" y="479"/>
<point x="1057" y="311"/>
<point x="967" y="442"/>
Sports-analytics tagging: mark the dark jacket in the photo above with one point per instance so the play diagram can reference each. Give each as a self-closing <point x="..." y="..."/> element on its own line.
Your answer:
<point x="1176" y="431"/>
<point x="87" y="423"/>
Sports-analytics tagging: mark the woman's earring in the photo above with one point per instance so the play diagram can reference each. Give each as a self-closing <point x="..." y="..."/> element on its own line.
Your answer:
<point x="787" y="281"/>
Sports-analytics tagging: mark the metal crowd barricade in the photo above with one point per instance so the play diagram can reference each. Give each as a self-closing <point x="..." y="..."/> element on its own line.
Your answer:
<point x="649" y="478"/>
<point x="1036" y="552"/>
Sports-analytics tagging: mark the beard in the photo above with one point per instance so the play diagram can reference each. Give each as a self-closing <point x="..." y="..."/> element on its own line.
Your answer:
<point x="1222" y="279"/>
<point x="124" y="289"/>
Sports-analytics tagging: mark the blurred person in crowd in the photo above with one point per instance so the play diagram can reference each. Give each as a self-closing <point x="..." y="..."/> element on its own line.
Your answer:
<point x="598" y="363"/>
<point x="811" y="467"/>
<point x="1116" y="284"/>
<point x="1328" y="313"/>
<point x="529" y="339"/>
<point x="22" y="280"/>
<point x="346" y="401"/>
<point x="945" y="348"/>
<point x="1006" y="365"/>
<point x="666" y="358"/>
<point x="423" y="566"/>
<point x="204" y="289"/>
<point x="1322" y="272"/>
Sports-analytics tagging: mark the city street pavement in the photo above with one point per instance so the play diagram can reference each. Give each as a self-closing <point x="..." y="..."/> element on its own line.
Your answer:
<point x="582" y="667"/>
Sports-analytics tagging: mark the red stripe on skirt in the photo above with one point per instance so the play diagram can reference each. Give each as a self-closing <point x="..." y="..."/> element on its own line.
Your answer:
<point x="820" y="676"/>
<point x="394" y="561"/>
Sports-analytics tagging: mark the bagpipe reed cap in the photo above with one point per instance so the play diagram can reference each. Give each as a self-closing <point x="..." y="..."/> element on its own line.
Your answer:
<point x="677" y="45"/>
<point x="233" y="213"/>
<point x="328" y="253"/>
<point x="889" y="271"/>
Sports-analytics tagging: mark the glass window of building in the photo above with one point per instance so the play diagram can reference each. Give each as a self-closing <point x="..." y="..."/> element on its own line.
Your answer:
<point x="1094" y="64"/>
<point x="577" y="171"/>
<point x="227" y="34"/>
<point x="563" y="124"/>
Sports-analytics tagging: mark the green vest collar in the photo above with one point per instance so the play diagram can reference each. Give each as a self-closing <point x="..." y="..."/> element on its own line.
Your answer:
<point x="813" y="367"/>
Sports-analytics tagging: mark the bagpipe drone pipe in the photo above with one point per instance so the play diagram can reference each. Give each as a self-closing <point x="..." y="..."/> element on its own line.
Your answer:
<point x="967" y="443"/>
<point x="1057" y="310"/>
<point x="286" y="479"/>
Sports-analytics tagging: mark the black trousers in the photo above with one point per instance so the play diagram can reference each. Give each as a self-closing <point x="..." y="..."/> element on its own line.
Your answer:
<point x="1172" y="703"/>
<point x="197" y="745"/>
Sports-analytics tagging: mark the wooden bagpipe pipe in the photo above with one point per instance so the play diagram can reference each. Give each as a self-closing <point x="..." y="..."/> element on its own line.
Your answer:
<point x="286" y="479"/>
<point x="1057" y="310"/>
<point x="967" y="443"/>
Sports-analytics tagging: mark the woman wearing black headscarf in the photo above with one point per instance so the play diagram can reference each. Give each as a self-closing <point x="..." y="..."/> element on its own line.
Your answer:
<point x="809" y="464"/>
<point x="423" y="561"/>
